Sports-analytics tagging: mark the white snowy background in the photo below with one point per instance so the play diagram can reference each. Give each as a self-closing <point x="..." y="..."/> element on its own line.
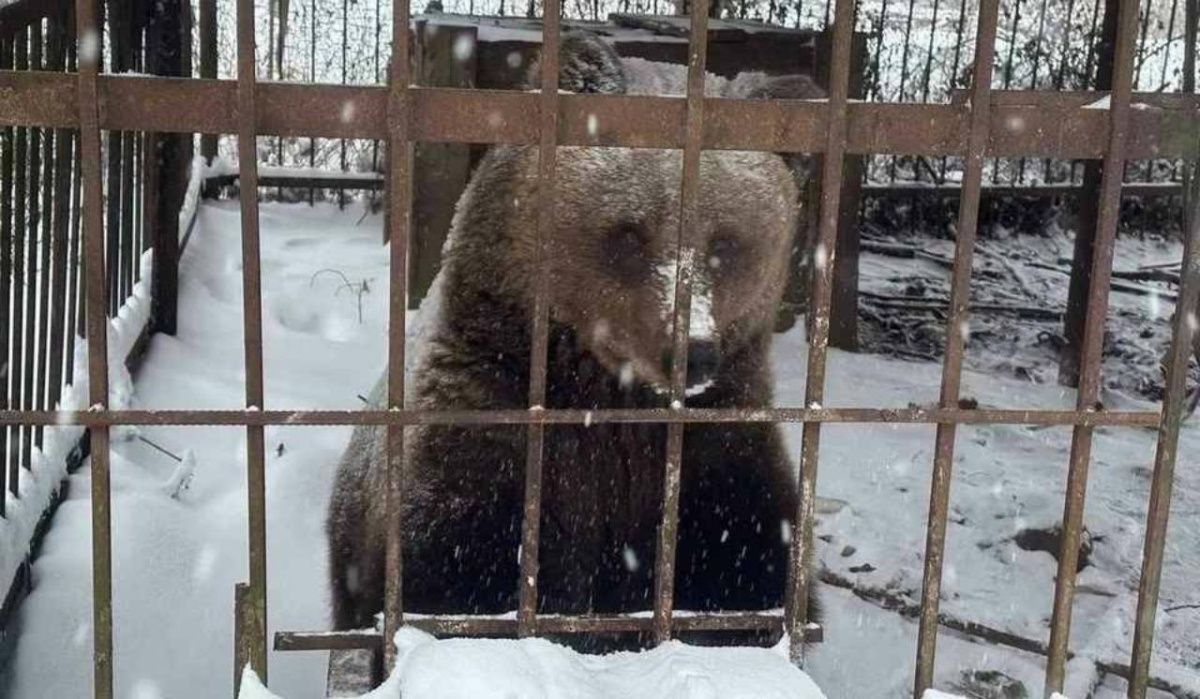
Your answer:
<point x="176" y="560"/>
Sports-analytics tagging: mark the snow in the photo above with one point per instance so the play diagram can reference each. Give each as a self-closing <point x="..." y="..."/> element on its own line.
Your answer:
<point x="176" y="559"/>
<point x="49" y="465"/>
<point x="499" y="669"/>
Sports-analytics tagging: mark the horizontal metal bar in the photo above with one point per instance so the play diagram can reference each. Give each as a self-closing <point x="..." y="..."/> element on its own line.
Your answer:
<point x="348" y="181"/>
<point x="1050" y="124"/>
<point x="548" y="624"/>
<point x="918" y="416"/>
<point x="953" y="191"/>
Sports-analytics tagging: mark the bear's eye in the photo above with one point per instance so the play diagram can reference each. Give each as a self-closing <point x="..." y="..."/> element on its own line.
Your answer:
<point x="723" y="253"/>
<point x="626" y="251"/>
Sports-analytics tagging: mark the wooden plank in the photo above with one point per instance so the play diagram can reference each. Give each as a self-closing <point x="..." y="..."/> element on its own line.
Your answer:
<point x="441" y="170"/>
<point x="678" y="26"/>
<point x="351" y="672"/>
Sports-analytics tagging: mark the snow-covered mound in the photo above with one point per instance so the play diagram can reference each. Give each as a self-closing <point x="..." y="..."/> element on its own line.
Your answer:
<point x="534" y="668"/>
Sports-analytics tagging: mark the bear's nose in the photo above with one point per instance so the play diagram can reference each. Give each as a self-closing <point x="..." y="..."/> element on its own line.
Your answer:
<point x="703" y="358"/>
<point x="703" y="361"/>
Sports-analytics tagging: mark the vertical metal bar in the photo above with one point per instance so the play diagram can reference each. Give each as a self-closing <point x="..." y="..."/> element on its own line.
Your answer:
<point x="312" y="77"/>
<point x="1191" y="24"/>
<point x="1167" y="450"/>
<point x="1182" y="345"/>
<point x="62" y="215"/>
<point x="16" y="367"/>
<point x="1162" y="80"/>
<point x="535" y="434"/>
<point x="1008" y="74"/>
<point x="116" y="63"/>
<point x="73" y="327"/>
<point x="345" y="48"/>
<point x="46" y="351"/>
<point x="957" y="328"/>
<point x="689" y="213"/>
<point x="123" y="240"/>
<point x="1059" y="77"/>
<point x="375" y="74"/>
<point x="33" y="239"/>
<point x="905" y="51"/>
<point x="6" y="286"/>
<point x="97" y="346"/>
<point x="1033" y="78"/>
<point x="929" y="53"/>
<point x="1093" y="46"/>
<point x="399" y="220"/>
<point x="1141" y="47"/>
<point x="75" y="312"/>
<point x="818" y="341"/>
<point x="252" y="333"/>
<point x="1093" y="340"/>
<point x="958" y="43"/>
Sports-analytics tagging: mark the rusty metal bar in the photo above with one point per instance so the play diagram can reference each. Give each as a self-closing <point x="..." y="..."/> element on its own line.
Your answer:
<point x="1174" y="412"/>
<point x="822" y="294"/>
<point x="527" y="622"/>
<point x="252" y="337"/>
<point x="685" y="259"/>
<point x="908" y="416"/>
<point x="483" y="625"/>
<point x="1093" y="341"/>
<point x="1056" y="123"/>
<point x="97" y="346"/>
<point x="6" y="286"/>
<point x="957" y="329"/>
<point x="1182" y="345"/>
<point x="399" y="220"/>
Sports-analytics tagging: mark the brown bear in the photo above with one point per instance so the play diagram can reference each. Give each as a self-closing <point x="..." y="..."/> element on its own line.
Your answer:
<point x="611" y="262"/>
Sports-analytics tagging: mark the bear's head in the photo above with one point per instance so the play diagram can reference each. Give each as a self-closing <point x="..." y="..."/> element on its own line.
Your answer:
<point x="612" y="254"/>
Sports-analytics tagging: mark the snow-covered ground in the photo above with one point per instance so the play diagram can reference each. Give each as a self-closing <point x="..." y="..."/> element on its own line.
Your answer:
<point x="176" y="560"/>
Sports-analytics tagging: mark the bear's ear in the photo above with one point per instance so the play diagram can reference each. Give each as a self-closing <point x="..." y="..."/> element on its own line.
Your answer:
<point x="788" y="87"/>
<point x="586" y="63"/>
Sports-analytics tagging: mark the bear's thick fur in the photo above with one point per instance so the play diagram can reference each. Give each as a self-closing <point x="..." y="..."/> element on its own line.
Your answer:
<point x="611" y="261"/>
